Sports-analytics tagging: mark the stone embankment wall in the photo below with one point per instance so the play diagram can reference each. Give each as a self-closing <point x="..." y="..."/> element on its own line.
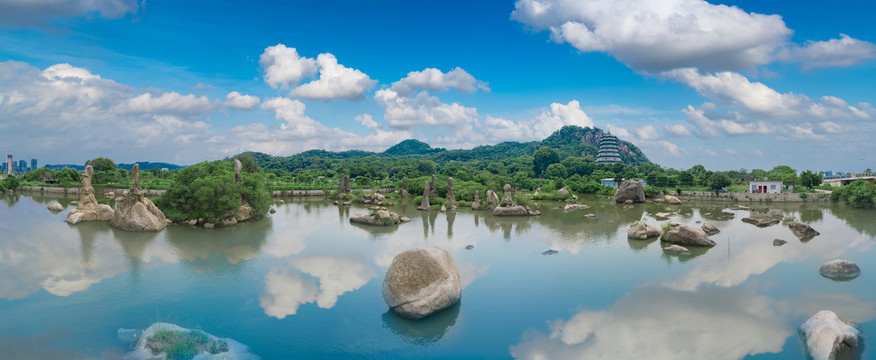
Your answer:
<point x="279" y="193"/>
<point x="75" y="190"/>
<point x="751" y="197"/>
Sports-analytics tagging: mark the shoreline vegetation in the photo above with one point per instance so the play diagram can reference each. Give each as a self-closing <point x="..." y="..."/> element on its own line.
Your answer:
<point x="563" y="160"/>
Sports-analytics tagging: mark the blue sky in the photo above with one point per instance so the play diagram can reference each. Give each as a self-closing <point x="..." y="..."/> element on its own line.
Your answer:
<point x="743" y="84"/>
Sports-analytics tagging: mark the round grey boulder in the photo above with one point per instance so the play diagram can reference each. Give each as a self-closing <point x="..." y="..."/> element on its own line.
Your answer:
<point x="55" y="206"/>
<point x="840" y="270"/>
<point x="420" y="282"/>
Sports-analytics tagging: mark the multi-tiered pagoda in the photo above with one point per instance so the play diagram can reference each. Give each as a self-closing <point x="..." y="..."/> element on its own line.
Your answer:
<point x="608" y="150"/>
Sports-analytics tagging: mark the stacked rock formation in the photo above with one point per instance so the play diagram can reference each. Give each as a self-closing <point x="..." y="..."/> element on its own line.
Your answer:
<point x="450" y="202"/>
<point x="433" y="190"/>
<point x="138" y="213"/>
<point x="88" y="208"/>
<point x="424" y="205"/>
<point x="405" y="186"/>
<point x="476" y="205"/>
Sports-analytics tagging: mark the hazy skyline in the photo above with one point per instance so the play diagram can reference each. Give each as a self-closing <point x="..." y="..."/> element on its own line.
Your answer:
<point x="745" y="84"/>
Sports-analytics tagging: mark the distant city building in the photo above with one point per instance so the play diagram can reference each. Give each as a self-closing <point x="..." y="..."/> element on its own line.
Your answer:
<point x="609" y="152"/>
<point x="10" y="165"/>
<point x="22" y="166"/>
<point x="33" y="164"/>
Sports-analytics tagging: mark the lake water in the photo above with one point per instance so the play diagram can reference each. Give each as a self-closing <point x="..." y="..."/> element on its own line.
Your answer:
<point x="305" y="283"/>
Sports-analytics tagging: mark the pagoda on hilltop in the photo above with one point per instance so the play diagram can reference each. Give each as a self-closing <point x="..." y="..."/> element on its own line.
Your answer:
<point x="608" y="150"/>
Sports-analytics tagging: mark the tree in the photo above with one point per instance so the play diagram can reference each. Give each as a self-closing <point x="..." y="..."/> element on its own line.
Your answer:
<point x="101" y="164"/>
<point x="68" y="176"/>
<point x="556" y="171"/>
<point x="41" y="175"/>
<point x="859" y="194"/>
<point x="208" y="190"/>
<point x="718" y="180"/>
<point x="811" y="179"/>
<point x="783" y="169"/>
<point x="249" y="162"/>
<point x="685" y="178"/>
<point x="544" y="157"/>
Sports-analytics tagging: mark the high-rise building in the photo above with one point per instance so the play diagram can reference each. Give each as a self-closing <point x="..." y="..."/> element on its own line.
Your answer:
<point x="608" y="150"/>
<point x="9" y="164"/>
<point x="22" y="166"/>
<point x="33" y="164"/>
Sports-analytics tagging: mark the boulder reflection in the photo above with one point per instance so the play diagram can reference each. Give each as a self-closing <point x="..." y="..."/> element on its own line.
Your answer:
<point x="424" y="331"/>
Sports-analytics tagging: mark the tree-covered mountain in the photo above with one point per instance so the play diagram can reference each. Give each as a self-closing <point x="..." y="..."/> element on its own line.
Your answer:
<point x="145" y="165"/>
<point x="570" y="141"/>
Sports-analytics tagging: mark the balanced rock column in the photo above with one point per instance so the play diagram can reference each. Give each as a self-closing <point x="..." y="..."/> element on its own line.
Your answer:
<point x="424" y="205"/>
<point x="244" y="212"/>
<point x="450" y="202"/>
<point x="420" y="282"/>
<point x="138" y="213"/>
<point x="88" y="208"/>
<point x="476" y="205"/>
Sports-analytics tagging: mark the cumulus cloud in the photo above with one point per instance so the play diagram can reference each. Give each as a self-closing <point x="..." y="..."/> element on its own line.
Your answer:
<point x="284" y="68"/>
<point x="538" y="127"/>
<point x="243" y="102"/>
<point x="434" y="80"/>
<point x="167" y="103"/>
<point x="335" y="82"/>
<point x="39" y="12"/>
<point x="678" y="130"/>
<point x="648" y="139"/>
<point x="654" y="36"/>
<point x="367" y="121"/>
<point x="841" y="52"/>
<point x="285" y="290"/>
<point x="406" y="112"/>
<point x="729" y="88"/>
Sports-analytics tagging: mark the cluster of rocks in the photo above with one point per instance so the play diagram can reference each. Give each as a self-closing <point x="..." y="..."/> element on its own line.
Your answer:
<point x="88" y="208"/>
<point x="420" y="282"/>
<point x="508" y="207"/>
<point x="379" y="217"/>
<point x="137" y="212"/>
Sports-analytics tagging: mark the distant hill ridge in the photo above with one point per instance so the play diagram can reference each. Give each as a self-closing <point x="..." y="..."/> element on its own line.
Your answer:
<point x="144" y="165"/>
<point x="568" y="141"/>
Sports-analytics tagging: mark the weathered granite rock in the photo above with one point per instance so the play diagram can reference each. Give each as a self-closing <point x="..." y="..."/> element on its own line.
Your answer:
<point x="639" y="230"/>
<point x="55" y="206"/>
<point x="676" y="250"/>
<point x="537" y="192"/>
<point x="630" y="190"/>
<point x="243" y="213"/>
<point x="450" y="199"/>
<point x="476" y="204"/>
<point x="628" y="202"/>
<point x="110" y="194"/>
<point x="662" y="215"/>
<point x="669" y="199"/>
<point x="840" y="270"/>
<point x="209" y="225"/>
<point x="137" y="212"/>
<point x="740" y="207"/>
<point x="88" y="208"/>
<point x="572" y="207"/>
<point x="802" y="231"/>
<point x="404" y="191"/>
<point x="143" y="350"/>
<point x="342" y="187"/>
<point x="380" y="217"/>
<point x="424" y="205"/>
<point x="563" y="192"/>
<point x="272" y="211"/>
<point x="829" y="338"/>
<point x="348" y="186"/>
<point x="443" y="208"/>
<point x="686" y="235"/>
<point x="508" y="200"/>
<point x="492" y="200"/>
<point x="779" y="242"/>
<point x="420" y="282"/>
<point x="74" y="203"/>
<point x="710" y="229"/>
<point x="238" y="167"/>
<point x="230" y="221"/>
<point x="404" y="219"/>
<point x="761" y="222"/>
<point x="516" y="210"/>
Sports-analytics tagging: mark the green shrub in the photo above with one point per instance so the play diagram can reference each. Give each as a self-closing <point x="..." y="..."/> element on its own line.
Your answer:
<point x="651" y="192"/>
<point x="859" y="194"/>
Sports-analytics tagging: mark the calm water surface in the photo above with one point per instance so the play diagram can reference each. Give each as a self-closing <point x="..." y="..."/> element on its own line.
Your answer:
<point x="306" y="283"/>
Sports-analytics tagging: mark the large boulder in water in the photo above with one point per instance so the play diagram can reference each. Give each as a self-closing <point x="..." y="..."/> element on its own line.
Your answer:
<point x="630" y="190"/>
<point x="55" y="206"/>
<point x="686" y="235"/>
<point x="380" y="217"/>
<point x="516" y="210"/>
<point x="672" y="200"/>
<point x="840" y="269"/>
<point x="802" y="231"/>
<point x="138" y="213"/>
<point x="88" y="208"/>
<point x="828" y="337"/>
<point x="420" y="282"/>
<point x="639" y="230"/>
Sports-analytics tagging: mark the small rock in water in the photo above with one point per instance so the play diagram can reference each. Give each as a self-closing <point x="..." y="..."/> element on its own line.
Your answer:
<point x="779" y="242"/>
<point x="273" y="211"/>
<point x="840" y="270"/>
<point x="829" y="338"/>
<point x="590" y="216"/>
<point x="549" y="252"/>
<point x="209" y="225"/>
<point x="129" y="335"/>
<point x="405" y="219"/>
<point x="676" y="250"/>
<point x="469" y="247"/>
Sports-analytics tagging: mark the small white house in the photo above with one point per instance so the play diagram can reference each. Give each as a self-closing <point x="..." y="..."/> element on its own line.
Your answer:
<point x="765" y="186"/>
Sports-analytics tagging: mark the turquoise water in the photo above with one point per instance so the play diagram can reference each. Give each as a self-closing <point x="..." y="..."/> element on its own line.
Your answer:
<point x="306" y="283"/>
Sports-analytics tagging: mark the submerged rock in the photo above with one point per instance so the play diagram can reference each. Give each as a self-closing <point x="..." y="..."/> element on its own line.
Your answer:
<point x="469" y="247"/>
<point x="639" y="230"/>
<point x="710" y="229"/>
<point x="549" y="252"/>
<point x="828" y="337"/>
<point x="662" y="215"/>
<point x="630" y="190"/>
<point x="590" y="216"/>
<point x="669" y="199"/>
<point x="802" y="231"/>
<point x="148" y="347"/>
<point x="687" y="236"/>
<point x="420" y="282"/>
<point x="676" y="250"/>
<point x="840" y="270"/>
<point x="571" y="207"/>
<point x="779" y="242"/>
<point x="761" y="222"/>
<point x="55" y="206"/>
<point x="517" y="210"/>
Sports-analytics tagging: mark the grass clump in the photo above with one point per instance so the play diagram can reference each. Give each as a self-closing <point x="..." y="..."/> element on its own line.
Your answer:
<point x="179" y="345"/>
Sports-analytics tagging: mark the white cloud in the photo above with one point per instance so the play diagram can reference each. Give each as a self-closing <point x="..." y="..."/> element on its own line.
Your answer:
<point x="678" y="130"/>
<point x="653" y="36"/>
<point x="648" y="139"/>
<point x="725" y="126"/>
<point x="367" y="121"/>
<point x="168" y="103"/>
<point x="729" y="88"/>
<point x="284" y="68"/>
<point x="335" y="82"/>
<point x="538" y="127"/>
<point x="434" y="80"/>
<point x="39" y="12"/>
<point x="200" y="86"/>
<point x="647" y="132"/>
<point x="422" y="109"/>
<point x="292" y="112"/>
<point x="841" y="52"/>
<point x="831" y="127"/>
<point x="243" y="102"/>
